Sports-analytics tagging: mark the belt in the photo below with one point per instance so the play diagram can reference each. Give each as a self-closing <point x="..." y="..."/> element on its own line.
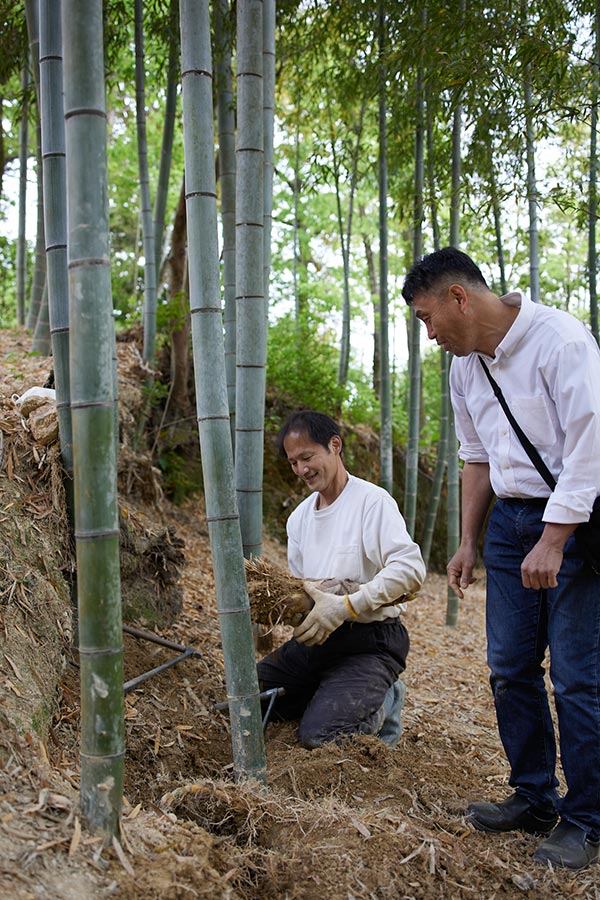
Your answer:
<point x="526" y="501"/>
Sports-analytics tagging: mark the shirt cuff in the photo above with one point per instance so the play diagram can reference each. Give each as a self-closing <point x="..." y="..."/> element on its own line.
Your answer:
<point x="571" y="508"/>
<point x="361" y="602"/>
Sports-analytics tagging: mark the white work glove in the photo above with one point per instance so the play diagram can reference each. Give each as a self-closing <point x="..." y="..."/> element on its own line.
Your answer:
<point x="328" y="613"/>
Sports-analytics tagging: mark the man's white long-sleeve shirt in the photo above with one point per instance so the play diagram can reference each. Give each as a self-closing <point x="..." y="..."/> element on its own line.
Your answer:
<point x="548" y="368"/>
<point x="360" y="537"/>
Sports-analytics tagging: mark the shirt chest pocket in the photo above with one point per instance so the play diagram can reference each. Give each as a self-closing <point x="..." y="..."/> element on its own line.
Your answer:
<point x="533" y="415"/>
<point x="345" y="563"/>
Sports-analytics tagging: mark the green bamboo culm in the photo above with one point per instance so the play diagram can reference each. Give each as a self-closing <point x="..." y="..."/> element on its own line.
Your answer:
<point x="593" y="182"/>
<point x="166" y="153"/>
<point x="251" y="320"/>
<point x="227" y="176"/>
<point x="211" y="394"/>
<point x="440" y="463"/>
<point x="55" y="224"/>
<point x="386" y="448"/>
<point x="41" y="333"/>
<point x="39" y="272"/>
<point x="453" y="483"/>
<point x="92" y="341"/>
<point x="269" y="19"/>
<point x="21" y="262"/>
<point x="414" y="332"/>
<point x="144" y="179"/>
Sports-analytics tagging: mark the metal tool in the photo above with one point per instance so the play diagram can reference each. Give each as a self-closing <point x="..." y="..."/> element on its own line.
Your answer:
<point x="272" y="694"/>
<point x="185" y="653"/>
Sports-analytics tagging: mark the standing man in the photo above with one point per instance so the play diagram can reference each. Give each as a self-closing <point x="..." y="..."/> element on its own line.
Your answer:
<point x="345" y="657"/>
<point x="540" y="591"/>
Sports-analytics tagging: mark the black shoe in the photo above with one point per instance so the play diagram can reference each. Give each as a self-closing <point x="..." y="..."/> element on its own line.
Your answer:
<point x="517" y="813"/>
<point x="569" y="846"/>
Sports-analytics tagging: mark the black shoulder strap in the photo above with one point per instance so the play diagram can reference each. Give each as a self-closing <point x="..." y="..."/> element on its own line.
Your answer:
<point x="531" y="451"/>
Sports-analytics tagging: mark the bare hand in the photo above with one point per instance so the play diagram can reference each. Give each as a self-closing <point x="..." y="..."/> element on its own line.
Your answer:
<point x="541" y="566"/>
<point x="460" y="570"/>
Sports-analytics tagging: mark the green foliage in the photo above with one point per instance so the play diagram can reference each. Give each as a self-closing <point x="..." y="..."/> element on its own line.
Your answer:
<point x="182" y="474"/>
<point x="302" y="363"/>
<point x="302" y="367"/>
<point x="14" y="39"/>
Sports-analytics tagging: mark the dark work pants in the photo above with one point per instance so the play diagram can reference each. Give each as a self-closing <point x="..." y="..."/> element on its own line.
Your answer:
<point x="337" y="688"/>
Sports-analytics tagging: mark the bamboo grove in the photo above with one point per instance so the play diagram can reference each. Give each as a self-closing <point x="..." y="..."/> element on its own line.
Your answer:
<point x="250" y="184"/>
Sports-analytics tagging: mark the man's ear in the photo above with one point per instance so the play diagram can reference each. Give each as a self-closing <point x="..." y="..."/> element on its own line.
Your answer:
<point x="335" y="444"/>
<point x="459" y="295"/>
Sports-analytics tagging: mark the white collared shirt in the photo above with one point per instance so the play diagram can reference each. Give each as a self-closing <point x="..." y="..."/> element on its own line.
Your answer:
<point x="548" y="367"/>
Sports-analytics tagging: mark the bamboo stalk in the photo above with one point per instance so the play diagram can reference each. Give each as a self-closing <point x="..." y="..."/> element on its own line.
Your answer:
<point x="145" y="204"/>
<point x="39" y="271"/>
<point x="386" y="452"/>
<point x="55" y="222"/>
<point x="251" y="322"/>
<point x="166" y="153"/>
<point x="211" y="394"/>
<point x="93" y="415"/>
<point x="227" y="177"/>
<point x="23" y="157"/>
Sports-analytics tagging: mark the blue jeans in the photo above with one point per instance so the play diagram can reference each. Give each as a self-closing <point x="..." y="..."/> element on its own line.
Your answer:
<point x="521" y="624"/>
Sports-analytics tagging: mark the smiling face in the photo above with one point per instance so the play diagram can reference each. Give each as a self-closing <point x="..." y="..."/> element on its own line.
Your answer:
<point x="321" y="468"/>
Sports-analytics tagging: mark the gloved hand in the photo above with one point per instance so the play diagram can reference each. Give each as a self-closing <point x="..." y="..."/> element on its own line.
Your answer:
<point x="328" y="613"/>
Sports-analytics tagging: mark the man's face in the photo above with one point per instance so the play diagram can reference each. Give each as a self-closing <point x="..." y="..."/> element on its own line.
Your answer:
<point x="440" y="312"/>
<point x="315" y="464"/>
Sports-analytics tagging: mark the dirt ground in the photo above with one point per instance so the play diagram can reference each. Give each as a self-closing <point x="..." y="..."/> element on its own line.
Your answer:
<point x="357" y="821"/>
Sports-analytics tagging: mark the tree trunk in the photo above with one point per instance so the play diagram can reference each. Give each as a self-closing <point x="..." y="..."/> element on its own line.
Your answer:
<point x="386" y="446"/>
<point x="346" y="234"/>
<point x="166" y="154"/>
<point x="532" y="193"/>
<point x="23" y="158"/>
<point x="55" y="222"/>
<point x="269" y="11"/>
<point x="453" y="473"/>
<point x="180" y="328"/>
<point x="593" y="186"/>
<point x="41" y="335"/>
<point x="298" y="305"/>
<point x="431" y="187"/>
<point x="440" y="462"/>
<point x="145" y="204"/>
<point x="374" y="292"/>
<point x="211" y="394"/>
<point x="227" y="177"/>
<point x="93" y="416"/>
<point x="412" y="446"/>
<point x="39" y="272"/>
<point x="251" y="321"/>
<point x="497" y="213"/>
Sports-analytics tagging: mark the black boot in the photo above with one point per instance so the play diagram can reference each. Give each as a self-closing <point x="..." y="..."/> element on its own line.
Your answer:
<point x="517" y="813"/>
<point x="569" y="846"/>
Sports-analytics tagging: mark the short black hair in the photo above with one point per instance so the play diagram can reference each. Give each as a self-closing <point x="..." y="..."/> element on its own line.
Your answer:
<point x="317" y="426"/>
<point x="428" y="271"/>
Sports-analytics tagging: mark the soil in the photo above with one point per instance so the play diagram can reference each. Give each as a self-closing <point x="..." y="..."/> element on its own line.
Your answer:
<point x="355" y="821"/>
